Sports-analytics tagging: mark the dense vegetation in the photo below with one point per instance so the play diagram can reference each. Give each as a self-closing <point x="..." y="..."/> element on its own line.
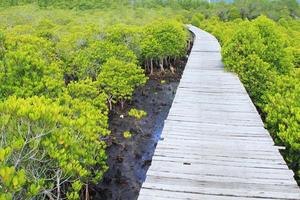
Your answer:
<point x="250" y="9"/>
<point x="59" y="79"/>
<point x="64" y="65"/>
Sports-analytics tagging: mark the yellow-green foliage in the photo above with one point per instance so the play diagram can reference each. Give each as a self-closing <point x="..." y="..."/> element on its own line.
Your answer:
<point x="138" y="114"/>
<point x="45" y="140"/>
<point x="119" y="79"/>
<point x="29" y="66"/>
<point x="59" y="69"/>
<point x="170" y="35"/>
<point x="127" y="135"/>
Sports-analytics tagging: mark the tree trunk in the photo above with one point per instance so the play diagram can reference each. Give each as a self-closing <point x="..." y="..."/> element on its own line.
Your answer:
<point x="58" y="184"/>
<point x="161" y="64"/>
<point x="122" y="104"/>
<point x="172" y="69"/>
<point x="87" y="194"/>
<point x="110" y="102"/>
<point x="147" y="65"/>
<point x="166" y="61"/>
<point x="174" y="60"/>
<point x="151" y="66"/>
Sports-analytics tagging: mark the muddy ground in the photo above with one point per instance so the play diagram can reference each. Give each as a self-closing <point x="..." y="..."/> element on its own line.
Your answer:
<point x="129" y="159"/>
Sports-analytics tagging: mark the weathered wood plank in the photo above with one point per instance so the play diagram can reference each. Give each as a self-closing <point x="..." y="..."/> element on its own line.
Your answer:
<point x="214" y="145"/>
<point x="225" y="162"/>
<point x="152" y="194"/>
<point x="225" y="190"/>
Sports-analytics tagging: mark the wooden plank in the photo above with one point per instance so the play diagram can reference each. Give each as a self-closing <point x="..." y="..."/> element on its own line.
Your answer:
<point x="195" y="187"/>
<point x="219" y="157"/>
<point x="220" y="144"/>
<point x="222" y="179"/>
<point x="225" y="162"/>
<point x="241" y="185"/>
<point x="224" y="170"/>
<point x="152" y="194"/>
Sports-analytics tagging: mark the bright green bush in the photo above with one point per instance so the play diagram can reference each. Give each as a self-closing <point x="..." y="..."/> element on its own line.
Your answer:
<point x="86" y="90"/>
<point x="197" y="19"/>
<point x="59" y="69"/>
<point x="283" y="107"/>
<point x="128" y="35"/>
<point x="283" y="115"/>
<point x="151" y="51"/>
<point x="119" y="80"/>
<point x="234" y="13"/>
<point x="137" y="114"/>
<point x="169" y="39"/>
<point x="257" y="52"/>
<point x="29" y="67"/>
<point x="88" y="61"/>
<point x="74" y="74"/>
<point x="242" y="55"/>
<point x="48" y="144"/>
<point x="275" y="52"/>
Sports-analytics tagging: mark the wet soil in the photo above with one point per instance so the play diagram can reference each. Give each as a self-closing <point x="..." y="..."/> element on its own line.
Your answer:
<point x="129" y="159"/>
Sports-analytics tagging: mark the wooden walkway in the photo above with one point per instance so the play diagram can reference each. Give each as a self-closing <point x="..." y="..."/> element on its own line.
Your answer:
<point x="214" y="145"/>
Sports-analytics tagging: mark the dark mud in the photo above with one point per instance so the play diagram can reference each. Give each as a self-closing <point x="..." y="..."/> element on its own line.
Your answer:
<point x="129" y="159"/>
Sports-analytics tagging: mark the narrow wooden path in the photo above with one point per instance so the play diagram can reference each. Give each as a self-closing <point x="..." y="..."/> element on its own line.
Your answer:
<point x="214" y="145"/>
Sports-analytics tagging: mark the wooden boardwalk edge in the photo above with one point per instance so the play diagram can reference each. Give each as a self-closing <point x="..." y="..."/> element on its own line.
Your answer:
<point x="214" y="145"/>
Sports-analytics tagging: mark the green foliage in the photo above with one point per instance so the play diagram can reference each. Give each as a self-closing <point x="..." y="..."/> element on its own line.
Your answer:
<point x="88" y="61"/>
<point x="283" y="101"/>
<point x="86" y="90"/>
<point x="29" y="67"/>
<point x="58" y="69"/>
<point x="171" y="37"/>
<point x="119" y="80"/>
<point x="247" y="9"/>
<point x="255" y="72"/>
<point x="275" y="52"/>
<point x="150" y="47"/>
<point x="138" y="114"/>
<point x="233" y="13"/>
<point x="127" y="135"/>
<point x="283" y="114"/>
<point x="257" y="52"/>
<point x="44" y="141"/>
<point x="163" y="41"/>
<point x="130" y="36"/>
<point x="197" y="19"/>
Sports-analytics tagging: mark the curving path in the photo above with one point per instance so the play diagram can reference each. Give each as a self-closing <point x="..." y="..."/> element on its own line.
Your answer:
<point x="214" y="145"/>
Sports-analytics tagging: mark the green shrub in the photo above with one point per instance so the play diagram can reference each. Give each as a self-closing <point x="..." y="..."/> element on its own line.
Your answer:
<point x="58" y="69"/>
<point x="88" y="61"/>
<point x="169" y="41"/>
<point x="283" y="108"/>
<point x="197" y="19"/>
<point x="119" y="80"/>
<point x="48" y="144"/>
<point x="29" y="67"/>
<point x="138" y="114"/>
